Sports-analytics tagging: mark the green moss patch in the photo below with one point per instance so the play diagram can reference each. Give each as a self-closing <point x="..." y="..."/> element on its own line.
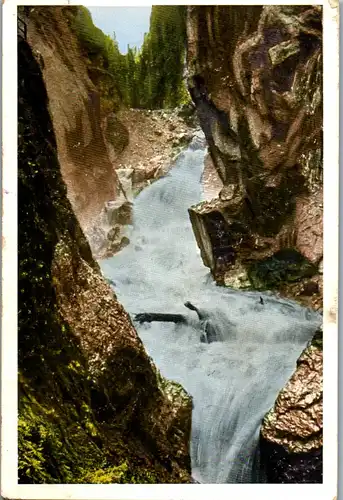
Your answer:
<point x="285" y="266"/>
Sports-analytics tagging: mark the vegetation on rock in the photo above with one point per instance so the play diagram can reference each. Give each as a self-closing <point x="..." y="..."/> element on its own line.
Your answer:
<point x="284" y="266"/>
<point x="107" y="67"/>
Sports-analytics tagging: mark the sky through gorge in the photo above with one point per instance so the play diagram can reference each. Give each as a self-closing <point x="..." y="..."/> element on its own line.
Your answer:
<point x="128" y="23"/>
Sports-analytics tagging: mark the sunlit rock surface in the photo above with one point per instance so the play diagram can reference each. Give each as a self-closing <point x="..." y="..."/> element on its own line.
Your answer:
<point x="292" y="432"/>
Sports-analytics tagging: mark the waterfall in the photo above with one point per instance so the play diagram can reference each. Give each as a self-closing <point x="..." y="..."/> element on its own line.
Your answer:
<point x="233" y="381"/>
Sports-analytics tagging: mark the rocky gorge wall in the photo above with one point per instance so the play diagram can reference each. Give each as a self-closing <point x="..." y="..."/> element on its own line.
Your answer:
<point x="104" y="149"/>
<point x="78" y="348"/>
<point x="255" y="76"/>
<point x="291" y="438"/>
<point x="258" y="91"/>
<point x="92" y="406"/>
<point x="74" y="104"/>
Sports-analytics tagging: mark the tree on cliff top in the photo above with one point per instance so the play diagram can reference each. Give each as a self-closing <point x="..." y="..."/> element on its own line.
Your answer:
<point x="149" y="78"/>
<point x="107" y="66"/>
<point x="161" y="59"/>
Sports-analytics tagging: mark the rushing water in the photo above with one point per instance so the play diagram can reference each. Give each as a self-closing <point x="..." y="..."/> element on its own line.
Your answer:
<point x="233" y="381"/>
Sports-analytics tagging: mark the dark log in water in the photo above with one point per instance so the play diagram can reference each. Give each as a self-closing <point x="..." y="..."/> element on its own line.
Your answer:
<point x="169" y="318"/>
<point x="208" y="334"/>
<point x="200" y="314"/>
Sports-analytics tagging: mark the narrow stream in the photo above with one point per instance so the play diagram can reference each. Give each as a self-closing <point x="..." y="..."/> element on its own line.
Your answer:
<point x="233" y="381"/>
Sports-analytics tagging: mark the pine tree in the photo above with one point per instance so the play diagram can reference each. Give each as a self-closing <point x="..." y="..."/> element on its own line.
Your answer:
<point x="149" y="78"/>
<point x="161" y="59"/>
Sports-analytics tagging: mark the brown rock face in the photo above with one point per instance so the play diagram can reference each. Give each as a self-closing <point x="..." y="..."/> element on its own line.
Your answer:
<point x="291" y="434"/>
<point x="94" y="140"/>
<point x="86" y="138"/>
<point x="255" y="75"/>
<point x="211" y="182"/>
<point x="92" y="407"/>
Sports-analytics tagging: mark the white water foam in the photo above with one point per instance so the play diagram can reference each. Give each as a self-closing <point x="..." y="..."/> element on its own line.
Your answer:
<point x="234" y="381"/>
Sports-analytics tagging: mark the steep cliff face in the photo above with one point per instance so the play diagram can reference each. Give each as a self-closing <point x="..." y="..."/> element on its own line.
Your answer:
<point x="107" y="151"/>
<point x="82" y="120"/>
<point x="255" y="75"/>
<point x="92" y="406"/>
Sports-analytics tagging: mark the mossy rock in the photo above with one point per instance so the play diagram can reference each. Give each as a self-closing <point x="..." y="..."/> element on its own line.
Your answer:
<point x="285" y="266"/>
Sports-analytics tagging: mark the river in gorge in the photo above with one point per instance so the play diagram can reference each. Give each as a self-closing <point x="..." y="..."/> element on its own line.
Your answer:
<point x="233" y="381"/>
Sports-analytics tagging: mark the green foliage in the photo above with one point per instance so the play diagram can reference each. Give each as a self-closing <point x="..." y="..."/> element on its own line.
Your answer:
<point x="151" y="78"/>
<point x="106" y="65"/>
<point x="106" y="476"/>
<point x="91" y="37"/>
<point x="161" y="60"/>
<point x="52" y="447"/>
<point x="57" y="446"/>
<point x="30" y="449"/>
<point x="122" y="474"/>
